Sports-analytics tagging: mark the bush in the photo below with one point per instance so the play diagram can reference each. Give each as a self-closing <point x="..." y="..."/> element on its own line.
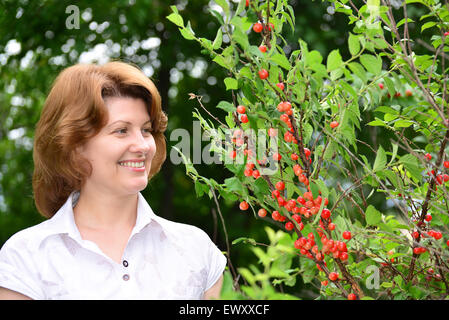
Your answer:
<point x="346" y="155"/>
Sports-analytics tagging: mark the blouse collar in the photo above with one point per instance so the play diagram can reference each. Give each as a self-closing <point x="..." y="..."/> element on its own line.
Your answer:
<point x="64" y="222"/>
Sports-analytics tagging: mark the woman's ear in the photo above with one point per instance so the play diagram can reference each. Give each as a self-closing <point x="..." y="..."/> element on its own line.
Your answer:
<point x="79" y="150"/>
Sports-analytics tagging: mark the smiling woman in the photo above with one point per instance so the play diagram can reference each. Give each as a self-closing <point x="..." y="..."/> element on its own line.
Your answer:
<point x="99" y="140"/>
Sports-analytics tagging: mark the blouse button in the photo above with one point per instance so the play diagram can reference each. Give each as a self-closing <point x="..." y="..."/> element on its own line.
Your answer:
<point x="125" y="263"/>
<point x="125" y="277"/>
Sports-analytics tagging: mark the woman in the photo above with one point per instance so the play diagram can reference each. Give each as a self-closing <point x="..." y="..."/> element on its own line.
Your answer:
<point x="99" y="140"/>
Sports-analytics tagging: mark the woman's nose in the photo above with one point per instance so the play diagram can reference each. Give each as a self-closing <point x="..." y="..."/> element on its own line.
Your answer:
<point x="140" y="143"/>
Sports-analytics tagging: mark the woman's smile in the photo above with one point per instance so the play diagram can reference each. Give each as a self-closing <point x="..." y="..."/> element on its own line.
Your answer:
<point x="137" y="166"/>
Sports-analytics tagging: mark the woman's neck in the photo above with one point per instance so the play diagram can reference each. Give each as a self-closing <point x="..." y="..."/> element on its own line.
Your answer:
<point x="105" y="211"/>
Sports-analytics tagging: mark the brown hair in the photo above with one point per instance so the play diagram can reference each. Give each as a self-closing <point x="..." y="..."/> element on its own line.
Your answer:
<point x="74" y="112"/>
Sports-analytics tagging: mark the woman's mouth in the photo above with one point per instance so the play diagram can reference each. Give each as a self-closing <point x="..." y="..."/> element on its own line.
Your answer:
<point x="133" y="165"/>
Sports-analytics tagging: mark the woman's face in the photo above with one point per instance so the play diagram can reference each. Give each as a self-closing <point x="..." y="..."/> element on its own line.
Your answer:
<point x="121" y="153"/>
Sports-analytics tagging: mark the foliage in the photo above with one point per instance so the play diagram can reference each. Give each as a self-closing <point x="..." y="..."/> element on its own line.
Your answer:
<point x="321" y="107"/>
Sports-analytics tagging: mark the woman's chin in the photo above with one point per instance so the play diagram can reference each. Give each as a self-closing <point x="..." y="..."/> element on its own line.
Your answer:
<point x="137" y="186"/>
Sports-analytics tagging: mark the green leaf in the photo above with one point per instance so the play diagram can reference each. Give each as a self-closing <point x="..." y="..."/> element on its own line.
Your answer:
<point x="261" y="188"/>
<point x="373" y="216"/>
<point x="358" y="70"/>
<point x="371" y="63"/>
<point x="226" y="106"/>
<point x="403" y="123"/>
<point x="218" y="40"/>
<point x="221" y="61"/>
<point x="381" y="160"/>
<point x="390" y="86"/>
<point x="241" y="38"/>
<point x="314" y="188"/>
<point x="245" y="240"/>
<point x="200" y="188"/>
<point x="224" y="4"/>
<point x="376" y="123"/>
<point x="281" y="60"/>
<point x="231" y="84"/>
<point x="176" y="19"/>
<point x="411" y="164"/>
<point x="240" y="7"/>
<point x="234" y="184"/>
<point x="354" y="44"/>
<point x="334" y="60"/>
<point x="187" y="33"/>
<point x="428" y="25"/>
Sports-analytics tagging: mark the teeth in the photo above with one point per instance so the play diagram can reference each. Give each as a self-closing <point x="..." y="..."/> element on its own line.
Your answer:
<point x="132" y="164"/>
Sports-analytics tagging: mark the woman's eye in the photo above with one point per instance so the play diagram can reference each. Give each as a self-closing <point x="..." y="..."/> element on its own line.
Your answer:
<point x="123" y="130"/>
<point x="147" y="130"/>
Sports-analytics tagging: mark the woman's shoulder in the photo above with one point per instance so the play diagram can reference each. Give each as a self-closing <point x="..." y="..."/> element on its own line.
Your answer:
<point x="184" y="231"/>
<point x="28" y="238"/>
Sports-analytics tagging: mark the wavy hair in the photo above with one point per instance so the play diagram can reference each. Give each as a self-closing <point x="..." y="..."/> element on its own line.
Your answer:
<point x="74" y="112"/>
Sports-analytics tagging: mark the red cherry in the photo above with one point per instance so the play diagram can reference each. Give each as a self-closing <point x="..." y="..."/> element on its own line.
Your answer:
<point x="428" y="218"/>
<point x="428" y="156"/>
<point x="341" y="246"/>
<point x="241" y="109"/>
<point x="281" y="201"/>
<point x="447" y="243"/>
<point x="333" y="276"/>
<point x="446" y="33"/>
<point x="275" y="194"/>
<point x="297" y="218"/>
<point x="257" y="27"/>
<point x="324" y="283"/>
<point x="288" y="137"/>
<point x="446" y="164"/>
<point x="244" y="205"/>
<point x="415" y="234"/>
<point x="334" y="124"/>
<point x="289" y="226"/>
<point x="263" y="74"/>
<point x="247" y="3"/>
<point x="352" y="296"/>
<point x="280" y="185"/>
<point x="248" y="172"/>
<point x="331" y="226"/>
<point x="244" y="118"/>
<point x="346" y="235"/>
<point x="325" y="214"/>
<point x="343" y="256"/>
<point x="256" y="174"/>
<point x="408" y="93"/>
<point x="272" y="132"/>
<point x="280" y="85"/>
<point x="276" y="215"/>
<point x="262" y="212"/>
<point x="381" y="85"/>
<point x="438" y="235"/>
<point x="284" y="118"/>
<point x="262" y="49"/>
<point x="307" y="152"/>
<point x="277" y="156"/>
<point x="308" y="195"/>
<point x="294" y="157"/>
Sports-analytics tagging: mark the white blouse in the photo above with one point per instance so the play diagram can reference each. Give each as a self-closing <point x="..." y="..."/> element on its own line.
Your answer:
<point x="162" y="260"/>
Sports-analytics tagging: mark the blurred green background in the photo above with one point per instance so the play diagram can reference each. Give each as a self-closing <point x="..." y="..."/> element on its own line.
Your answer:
<point x="35" y="45"/>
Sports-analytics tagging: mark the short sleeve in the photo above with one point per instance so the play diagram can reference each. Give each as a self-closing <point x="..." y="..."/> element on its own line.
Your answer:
<point x="217" y="264"/>
<point x="16" y="270"/>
